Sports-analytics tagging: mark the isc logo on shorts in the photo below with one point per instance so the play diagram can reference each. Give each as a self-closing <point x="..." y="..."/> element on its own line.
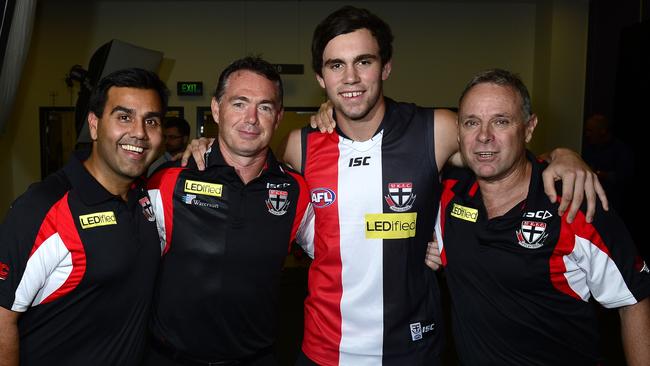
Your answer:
<point x="97" y="219"/>
<point x="391" y="225"/>
<point x="204" y="188"/>
<point x="464" y="213"/>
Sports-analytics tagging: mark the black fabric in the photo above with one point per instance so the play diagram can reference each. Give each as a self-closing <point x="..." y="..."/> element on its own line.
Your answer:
<point x="218" y="287"/>
<point x="511" y="302"/>
<point x="102" y="318"/>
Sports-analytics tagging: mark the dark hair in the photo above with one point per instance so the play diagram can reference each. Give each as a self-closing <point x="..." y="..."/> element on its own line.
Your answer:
<point x="127" y="78"/>
<point x="503" y="78"/>
<point x="347" y="20"/>
<point x="254" y="64"/>
<point x="180" y="123"/>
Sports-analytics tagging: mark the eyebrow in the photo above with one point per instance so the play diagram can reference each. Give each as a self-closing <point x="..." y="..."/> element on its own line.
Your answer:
<point x="498" y="115"/>
<point x="153" y="115"/>
<point x="246" y="99"/>
<point x="120" y="108"/>
<point x="131" y="111"/>
<point x="365" y="56"/>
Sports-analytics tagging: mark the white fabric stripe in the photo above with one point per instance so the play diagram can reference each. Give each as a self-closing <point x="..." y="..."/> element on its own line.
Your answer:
<point x="159" y="212"/>
<point x="306" y="231"/>
<point x="360" y="193"/>
<point x="47" y="270"/>
<point x="589" y="269"/>
<point x="438" y="229"/>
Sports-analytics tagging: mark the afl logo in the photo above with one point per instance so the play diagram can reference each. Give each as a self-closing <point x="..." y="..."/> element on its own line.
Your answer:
<point x="322" y="197"/>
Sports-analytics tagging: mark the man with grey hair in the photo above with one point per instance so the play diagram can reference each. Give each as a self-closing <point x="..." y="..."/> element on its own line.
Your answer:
<point x="520" y="275"/>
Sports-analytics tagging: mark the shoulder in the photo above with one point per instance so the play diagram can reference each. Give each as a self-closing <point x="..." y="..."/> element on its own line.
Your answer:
<point x="164" y="176"/>
<point x="42" y="195"/>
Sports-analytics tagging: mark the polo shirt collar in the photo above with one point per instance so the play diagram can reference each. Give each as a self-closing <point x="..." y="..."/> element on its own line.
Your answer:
<point x="213" y="157"/>
<point x="473" y="194"/>
<point x="89" y="190"/>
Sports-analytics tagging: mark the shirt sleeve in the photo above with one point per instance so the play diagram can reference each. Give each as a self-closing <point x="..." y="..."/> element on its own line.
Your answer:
<point x="36" y="260"/>
<point x="160" y="188"/>
<point x="615" y="274"/>
<point x="303" y="227"/>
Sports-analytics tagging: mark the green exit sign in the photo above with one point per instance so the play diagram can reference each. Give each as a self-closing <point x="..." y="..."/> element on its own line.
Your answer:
<point x="193" y="88"/>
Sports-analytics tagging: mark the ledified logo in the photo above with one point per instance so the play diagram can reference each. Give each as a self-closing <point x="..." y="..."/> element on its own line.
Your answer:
<point x="97" y="219"/>
<point x="204" y="188"/>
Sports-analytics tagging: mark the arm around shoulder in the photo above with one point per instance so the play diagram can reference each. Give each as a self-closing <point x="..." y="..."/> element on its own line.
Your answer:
<point x="9" y="340"/>
<point x="290" y="151"/>
<point x="635" y="332"/>
<point x="446" y="138"/>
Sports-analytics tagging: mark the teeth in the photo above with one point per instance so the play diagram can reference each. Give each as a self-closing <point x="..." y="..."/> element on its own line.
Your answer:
<point x="351" y="94"/>
<point x="485" y="154"/>
<point x="132" y="148"/>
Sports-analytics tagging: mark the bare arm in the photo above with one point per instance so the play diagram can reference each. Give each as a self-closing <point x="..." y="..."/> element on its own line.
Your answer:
<point x="290" y="151"/>
<point x="635" y="332"/>
<point x="446" y="138"/>
<point x="8" y="337"/>
<point x="578" y="181"/>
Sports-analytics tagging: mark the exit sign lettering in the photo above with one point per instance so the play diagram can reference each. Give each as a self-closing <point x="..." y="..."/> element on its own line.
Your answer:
<point x="191" y="88"/>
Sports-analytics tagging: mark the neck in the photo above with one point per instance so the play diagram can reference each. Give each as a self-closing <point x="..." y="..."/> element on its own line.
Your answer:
<point x="364" y="128"/>
<point x="116" y="185"/>
<point x="500" y="196"/>
<point x="247" y="167"/>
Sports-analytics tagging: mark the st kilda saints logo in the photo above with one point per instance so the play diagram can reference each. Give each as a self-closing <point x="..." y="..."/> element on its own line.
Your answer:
<point x="278" y="202"/>
<point x="532" y="234"/>
<point x="400" y="196"/>
<point x="147" y="209"/>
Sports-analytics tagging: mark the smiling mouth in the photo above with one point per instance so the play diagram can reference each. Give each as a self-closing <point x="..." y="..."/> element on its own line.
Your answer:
<point x="351" y="94"/>
<point x="485" y="155"/>
<point x="132" y="148"/>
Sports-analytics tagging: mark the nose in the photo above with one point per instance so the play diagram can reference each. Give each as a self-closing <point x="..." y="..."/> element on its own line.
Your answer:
<point x="138" y="129"/>
<point x="251" y="115"/>
<point x="485" y="134"/>
<point x="351" y="76"/>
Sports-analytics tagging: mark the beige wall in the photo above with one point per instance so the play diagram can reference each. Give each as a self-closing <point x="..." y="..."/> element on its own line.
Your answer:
<point x="438" y="47"/>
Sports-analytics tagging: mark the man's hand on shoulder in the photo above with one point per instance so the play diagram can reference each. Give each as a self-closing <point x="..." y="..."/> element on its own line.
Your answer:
<point x="197" y="149"/>
<point x="578" y="181"/>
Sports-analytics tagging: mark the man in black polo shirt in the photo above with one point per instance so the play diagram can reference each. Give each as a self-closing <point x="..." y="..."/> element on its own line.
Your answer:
<point x="79" y="251"/>
<point x="227" y="231"/>
<point x="521" y="276"/>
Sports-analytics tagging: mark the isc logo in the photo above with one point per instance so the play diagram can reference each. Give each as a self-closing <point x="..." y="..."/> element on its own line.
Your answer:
<point x="322" y="197"/>
<point x="359" y="161"/>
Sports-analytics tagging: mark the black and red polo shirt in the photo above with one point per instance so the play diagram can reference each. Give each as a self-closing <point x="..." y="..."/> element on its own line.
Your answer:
<point x="521" y="283"/>
<point x="225" y="245"/>
<point x="80" y="264"/>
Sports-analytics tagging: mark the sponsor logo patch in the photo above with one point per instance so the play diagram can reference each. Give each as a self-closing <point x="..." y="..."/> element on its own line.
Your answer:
<point x="464" y="213"/>
<point x="391" y="225"/>
<point x="417" y="330"/>
<point x="278" y="202"/>
<point x="97" y="219"/>
<point x="538" y="214"/>
<point x="190" y="199"/>
<point x="4" y="271"/>
<point x="203" y="188"/>
<point x="400" y="196"/>
<point x="147" y="209"/>
<point x="531" y="234"/>
<point x="322" y="197"/>
<point x="277" y="185"/>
